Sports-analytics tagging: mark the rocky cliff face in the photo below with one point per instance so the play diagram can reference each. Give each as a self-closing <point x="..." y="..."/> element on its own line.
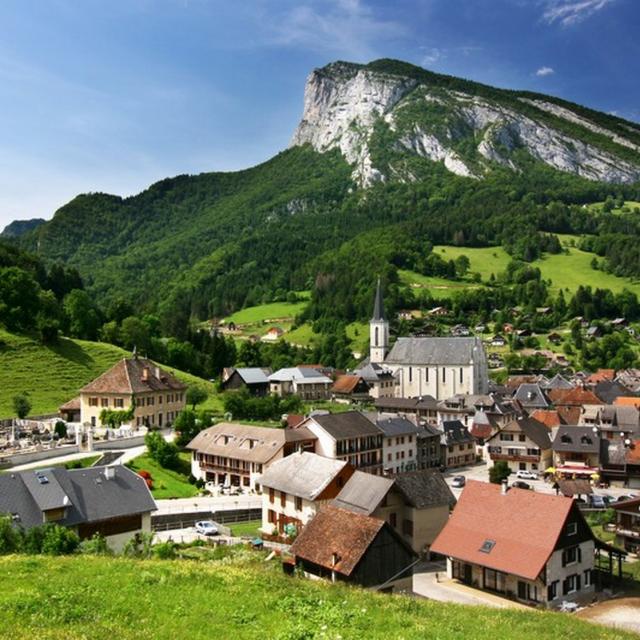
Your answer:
<point x="347" y="106"/>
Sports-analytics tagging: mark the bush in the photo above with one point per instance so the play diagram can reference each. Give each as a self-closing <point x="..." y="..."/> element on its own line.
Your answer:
<point x="60" y="429"/>
<point x="59" y="540"/>
<point x="139" y="546"/>
<point x="499" y="472"/>
<point x="96" y="546"/>
<point x="165" y="550"/>
<point x="163" y="452"/>
<point x="10" y="538"/>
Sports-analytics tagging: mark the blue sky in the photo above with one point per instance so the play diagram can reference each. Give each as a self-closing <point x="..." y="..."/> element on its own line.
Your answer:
<point x="112" y="96"/>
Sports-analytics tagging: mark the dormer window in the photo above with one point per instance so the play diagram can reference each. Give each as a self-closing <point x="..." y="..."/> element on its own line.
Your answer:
<point x="572" y="528"/>
<point x="586" y="440"/>
<point x="566" y="439"/>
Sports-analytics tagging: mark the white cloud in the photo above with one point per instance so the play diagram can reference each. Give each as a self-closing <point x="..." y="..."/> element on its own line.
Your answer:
<point x="545" y="71"/>
<point x="343" y="27"/>
<point x="433" y="55"/>
<point x="570" y="12"/>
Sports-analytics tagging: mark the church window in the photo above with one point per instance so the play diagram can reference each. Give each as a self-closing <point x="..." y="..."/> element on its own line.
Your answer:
<point x="426" y="374"/>
<point x="376" y="341"/>
<point x="410" y="374"/>
<point x="461" y="370"/>
<point x="444" y="374"/>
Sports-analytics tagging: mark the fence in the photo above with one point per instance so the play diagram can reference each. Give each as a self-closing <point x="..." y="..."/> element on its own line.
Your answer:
<point x="184" y="520"/>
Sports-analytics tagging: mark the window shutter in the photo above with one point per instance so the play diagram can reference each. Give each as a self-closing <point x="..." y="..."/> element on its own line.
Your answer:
<point x="579" y="554"/>
<point x="565" y="587"/>
<point x="578" y="582"/>
<point x="564" y="559"/>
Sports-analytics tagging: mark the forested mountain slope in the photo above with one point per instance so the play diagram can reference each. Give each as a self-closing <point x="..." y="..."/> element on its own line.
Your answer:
<point x="388" y="160"/>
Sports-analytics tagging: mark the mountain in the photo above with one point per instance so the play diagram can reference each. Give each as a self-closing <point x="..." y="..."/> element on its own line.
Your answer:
<point x="468" y="126"/>
<point x="18" y="228"/>
<point x="388" y="160"/>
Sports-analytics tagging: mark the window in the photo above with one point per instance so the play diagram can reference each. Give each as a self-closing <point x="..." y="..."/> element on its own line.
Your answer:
<point x="461" y="373"/>
<point x="407" y="527"/>
<point x="487" y="546"/>
<point x="410" y="374"/>
<point x="93" y="402"/>
<point x="522" y="437"/>
<point x="444" y="374"/>
<point x="571" y="555"/>
<point x="410" y="439"/>
<point x="506" y="437"/>
<point x="572" y="528"/>
<point x="393" y="520"/>
<point x="283" y="499"/>
<point x="160" y="399"/>
<point x="426" y="374"/>
<point x="376" y="341"/>
<point x="271" y="516"/>
<point x="104" y="402"/>
<point x="272" y="495"/>
<point x="298" y="503"/>
<point x="552" y="590"/>
<point x="571" y="584"/>
<point x="118" y="402"/>
<point x="587" y="578"/>
<point x="389" y="457"/>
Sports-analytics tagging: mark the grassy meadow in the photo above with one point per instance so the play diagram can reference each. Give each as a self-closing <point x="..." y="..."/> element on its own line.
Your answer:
<point x="167" y="483"/>
<point x="53" y="374"/>
<point x="74" y="598"/>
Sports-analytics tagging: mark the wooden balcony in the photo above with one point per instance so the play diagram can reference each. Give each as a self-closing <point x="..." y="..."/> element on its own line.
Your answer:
<point x="513" y="458"/>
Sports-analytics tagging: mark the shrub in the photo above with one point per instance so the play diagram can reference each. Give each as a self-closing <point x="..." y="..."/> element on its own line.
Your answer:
<point x="165" y="550"/>
<point x="96" y="546"/>
<point x="163" y="452"/>
<point x="10" y="538"/>
<point x="59" y="540"/>
<point x="499" y="472"/>
<point x="139" y="546"/>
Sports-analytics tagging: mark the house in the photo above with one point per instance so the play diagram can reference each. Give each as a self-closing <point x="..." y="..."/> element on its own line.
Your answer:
<point x="620" y="462"/>
<point x="342" y="545"/>
<point x="156" y="395"/>
<point x="254" y="379"/>
<point x="415" y="505"/>
<point x="306" y="382"/>
<point x="428" y="450"/>
<point x="594" y="332"/>
<point x="349" y="436"/>
<point x="440" y="367"/>
<point x="531" y="397"/>
<point x="609" y="390"/>
<point x="457" y="444"/>
<point x="628" y="525"/>
<point x="576" y="451"/>
<point x="498" y="341"/>
<point x="480" y="328"/>
<point x="527" y="545"/>
<point x="350" y="388"/>
<point x="460" y="331"/>
<point x="438" y="312"/>
<point x="550" y="418"/>
<point x="380" y="380"/>
<point x="557" y="382"/>
<point x="630" y="378"/>
<point x="524" y="444"/>
<point x="273" y="334"/>
<point x="70" y="411"/>
<point x="425" y="407"/>
<point x="600" y="376"/>
<point x="615" y="422"/>
<point x="399" y="442"/>
<point x="238" y="454"/>
<point x="296" y="487"/>
<point x="112" y="501"/>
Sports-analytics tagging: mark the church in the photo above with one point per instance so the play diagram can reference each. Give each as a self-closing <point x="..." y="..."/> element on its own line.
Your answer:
<point x="439" y="367"/>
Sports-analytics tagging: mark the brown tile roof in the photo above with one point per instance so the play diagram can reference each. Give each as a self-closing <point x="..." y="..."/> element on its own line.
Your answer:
<point x="128" y="376"/>
<point x="243" y="442"/>
<point x="346" y="384"/>
<point x="337" y="531"/>
<point x="569" y="415"/>
<point x="294" y="419"/>
<point x="71" y="405"/>
<point x="548" y="417"/>
<point x="524" y="526"/>
<point x="574" y="397"/>
<point x="600" y="375"/>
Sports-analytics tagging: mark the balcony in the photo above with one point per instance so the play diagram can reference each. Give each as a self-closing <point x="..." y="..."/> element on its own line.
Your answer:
<point x="514" y="458"/>
<point x="628" y="532"/>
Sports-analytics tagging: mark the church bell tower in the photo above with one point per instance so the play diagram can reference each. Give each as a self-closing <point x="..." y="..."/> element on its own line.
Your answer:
<point x="378" y="330"/>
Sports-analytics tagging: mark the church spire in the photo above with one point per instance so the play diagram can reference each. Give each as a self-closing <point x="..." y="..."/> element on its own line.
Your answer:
<point x="378" y="306"/>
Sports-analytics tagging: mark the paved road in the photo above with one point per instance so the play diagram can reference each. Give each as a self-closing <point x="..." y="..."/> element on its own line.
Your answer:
<point x="221" y="503"/>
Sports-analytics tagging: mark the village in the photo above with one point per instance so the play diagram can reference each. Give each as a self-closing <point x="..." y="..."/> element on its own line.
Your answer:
<point x="429" y="478"/>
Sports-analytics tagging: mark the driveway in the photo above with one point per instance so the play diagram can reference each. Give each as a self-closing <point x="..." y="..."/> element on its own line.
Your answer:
<point x="430" y="581"/>
<point x="622" y="613"/>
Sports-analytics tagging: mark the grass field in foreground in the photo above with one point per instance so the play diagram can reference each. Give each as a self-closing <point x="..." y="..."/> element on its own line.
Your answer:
<point x="167" y="483"/>
<point x="54" y="374"/>
<point x="104" y="599"/>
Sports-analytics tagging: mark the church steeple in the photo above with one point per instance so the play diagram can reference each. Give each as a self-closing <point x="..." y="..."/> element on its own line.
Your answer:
<point x="378" y="305"/>
<point x="378" y="330"/>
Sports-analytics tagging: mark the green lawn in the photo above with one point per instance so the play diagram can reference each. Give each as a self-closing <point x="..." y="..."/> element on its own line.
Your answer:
<point x="246" y="528"/>
<point x="244" y="597"/>
<point x="54" y="374"/>
<point x="438" y="287"/>
<point x="167" y="483"/>
<point x="271" y="311"/>
<point x="484" y="260"/>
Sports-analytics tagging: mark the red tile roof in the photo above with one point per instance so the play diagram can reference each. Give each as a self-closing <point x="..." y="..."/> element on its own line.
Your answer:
<point x="633" y="453"/>
<point x="481" y="430"/>
<point x="627" y="401"/>
<point x="337" y="531"/>
<point x="134" y="375"/>
<point x="601" y="375"/>
<point x="72" y="405"/>
<point x="548" y="417"/>
<point x="524" y="525"/>
<point x="569" y="415"/>
<point x="575" y="397"/>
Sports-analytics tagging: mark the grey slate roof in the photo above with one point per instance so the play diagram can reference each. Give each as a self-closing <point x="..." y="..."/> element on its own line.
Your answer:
<point x="350" y="424"/>
<point x="558" y="382"/>
<point x="363" y="492"/>
<point x="378" y="305"/>
<point x="305" y="475"/>
<point x="424" y="489"/>
<point x="300" y="374"/>
<point x="86" y="493"/>
<point x="609" y="390"/>
<point x="254" y="375"/>
<point x="407" y="404"/>
<point x="531" y="395"/>
<point x="434" y="351"/>
<point x="393" y="425"/>
<point x="576" y="439"/>
<point x="454" y="432"/>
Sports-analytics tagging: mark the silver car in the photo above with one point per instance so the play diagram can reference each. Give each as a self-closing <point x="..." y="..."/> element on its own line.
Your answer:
<point x="207" y="528"/>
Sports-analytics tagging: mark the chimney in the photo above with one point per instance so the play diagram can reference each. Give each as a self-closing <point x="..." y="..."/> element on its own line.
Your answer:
<point x="504" y="488"/>
<point x="109" y="473"/>
<point x="157" y="372"/>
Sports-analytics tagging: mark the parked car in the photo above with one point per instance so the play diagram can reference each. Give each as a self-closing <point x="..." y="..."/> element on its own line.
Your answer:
<point x="597" y="502"/>
<point x="630" y="496"/>
<point x="207" y="528"/>
<point x="458" y="481"/>
<point x="527" y="475"/>
<point x="519" y="484"/>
